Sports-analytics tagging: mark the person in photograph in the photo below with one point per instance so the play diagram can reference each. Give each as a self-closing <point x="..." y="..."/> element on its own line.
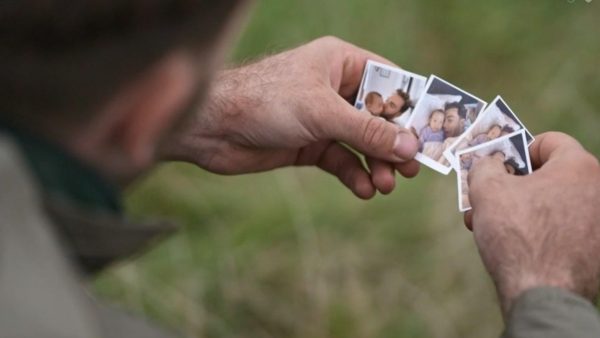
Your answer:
<point x="396" y="104"/>
<point x="374" y="103"/>
<point x="466" y="161"/>
<point x="492" y="133"/>
<point x="454" y="126"/>
<point x="432" y="132"/>
<point x="507" y="130"/>
<point x="471" y="117"/>
<point x="454" y="121"/>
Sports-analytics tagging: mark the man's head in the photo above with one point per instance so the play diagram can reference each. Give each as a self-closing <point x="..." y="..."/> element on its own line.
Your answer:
<point x="454" y="122"/>
<point x="108" y="79"/>
<point x="396" y="104"/>
<point x="436" y="120"/>
<point x="374" y="103"/>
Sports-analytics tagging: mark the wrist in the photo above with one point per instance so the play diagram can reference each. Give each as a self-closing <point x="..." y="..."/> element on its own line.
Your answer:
<point x="205" y="122"/>
<point x="512" y="289"/>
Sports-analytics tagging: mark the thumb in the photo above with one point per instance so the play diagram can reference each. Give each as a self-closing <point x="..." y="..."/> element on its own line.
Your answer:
<point x="484" y="176"/>
<point x="372" y="136"/>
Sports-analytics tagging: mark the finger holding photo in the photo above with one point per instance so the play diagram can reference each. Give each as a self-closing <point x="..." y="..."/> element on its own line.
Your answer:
<point x="511" y="150"/>
<point x="441" y="116"/>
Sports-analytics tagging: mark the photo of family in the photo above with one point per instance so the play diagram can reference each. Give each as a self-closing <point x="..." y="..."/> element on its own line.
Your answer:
<point x="441" y="116"/>
<point x="511" y="149"/>
<point x="389" y="92"/>
<point x="495" y="121"/>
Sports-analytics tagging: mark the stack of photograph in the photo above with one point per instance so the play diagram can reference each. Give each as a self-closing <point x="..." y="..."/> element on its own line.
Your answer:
<point x="455" y="129"/>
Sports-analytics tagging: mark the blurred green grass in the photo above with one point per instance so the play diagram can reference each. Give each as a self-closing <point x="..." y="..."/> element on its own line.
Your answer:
<point x="291" y="253"/>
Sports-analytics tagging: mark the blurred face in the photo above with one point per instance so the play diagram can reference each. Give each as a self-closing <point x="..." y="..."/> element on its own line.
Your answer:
<point x="453" y="124"/>
<point x="375" y="105"/>
<point x="191" y="90"/>
<point x="393" y="105"/>
<point x="436" y="121"/>
<point x="494" y="132"/>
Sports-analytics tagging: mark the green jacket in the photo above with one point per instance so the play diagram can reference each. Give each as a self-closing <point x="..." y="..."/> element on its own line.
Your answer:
<point x="552" y="313"/>
<point x="49" y="249"/>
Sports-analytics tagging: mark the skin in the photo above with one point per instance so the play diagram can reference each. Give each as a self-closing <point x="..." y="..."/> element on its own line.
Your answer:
<point x="494" y="132"/>
<point x="541" y="229"/>
<point x="453" y="124"/>
<point x="246" y="126"/>
<point x="436" y="121"/>
<point x="392" y="106"/>
<point x="376" y="105"/>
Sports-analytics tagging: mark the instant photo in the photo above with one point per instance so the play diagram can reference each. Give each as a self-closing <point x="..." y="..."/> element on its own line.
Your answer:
<point x="441" y="116"/>
<point x="495" y="121"/>
<point x="512" y="149"/>
<point x="389" y="92"/>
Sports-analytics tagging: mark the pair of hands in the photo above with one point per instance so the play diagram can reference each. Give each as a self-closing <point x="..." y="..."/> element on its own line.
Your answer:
<point x="293" y="109"/>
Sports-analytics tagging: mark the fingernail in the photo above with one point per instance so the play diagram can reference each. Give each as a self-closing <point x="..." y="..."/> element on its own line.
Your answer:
<point x="405" y="146"/>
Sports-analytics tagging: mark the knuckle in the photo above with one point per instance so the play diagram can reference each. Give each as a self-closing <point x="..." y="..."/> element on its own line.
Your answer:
<point x="556" y="134"/>
<point x="330" y="39"/>
<point x="373" y="131"/>
<point x="590" y="161"/>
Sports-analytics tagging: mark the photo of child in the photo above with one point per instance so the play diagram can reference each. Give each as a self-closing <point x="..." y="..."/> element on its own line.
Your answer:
<point x="495" y="121"/>
<point x="511" y="149"/>
<point x="442" y="115"/>
<point x="432" y="132"/>
<point x="492" y="134"/>
<point x="389" y="92"/>
<point x="374" y="103"/>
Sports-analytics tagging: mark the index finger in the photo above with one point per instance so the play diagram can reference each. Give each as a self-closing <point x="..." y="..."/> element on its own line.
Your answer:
<point x="551" y="145"/>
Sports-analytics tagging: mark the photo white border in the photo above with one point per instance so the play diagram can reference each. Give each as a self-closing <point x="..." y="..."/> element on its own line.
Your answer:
<point x="435" y="165"/>
<point x="448" y="153"/>
<point x="485" y="145"/>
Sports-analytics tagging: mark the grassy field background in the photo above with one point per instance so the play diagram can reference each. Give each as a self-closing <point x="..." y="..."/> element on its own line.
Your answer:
<point x="291" y="253"/>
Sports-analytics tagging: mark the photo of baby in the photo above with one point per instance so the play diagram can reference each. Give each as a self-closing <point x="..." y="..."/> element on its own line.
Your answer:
<point x="495" y="121"/>
<point x="511" y="149"/>
<point x="442" y="115"/>
<point x="389" y="92"/>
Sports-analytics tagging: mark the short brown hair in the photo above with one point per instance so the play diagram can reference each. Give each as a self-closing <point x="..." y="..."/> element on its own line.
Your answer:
<point x="407" y="102"/>
<point x="65" y="58"/>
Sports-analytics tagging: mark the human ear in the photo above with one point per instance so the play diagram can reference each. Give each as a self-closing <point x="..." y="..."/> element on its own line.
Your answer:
<point x="123" y="136"/>
<point x="155" y="102"/>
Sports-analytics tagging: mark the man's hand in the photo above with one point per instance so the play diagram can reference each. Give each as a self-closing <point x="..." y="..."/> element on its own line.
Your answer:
<point x="293" y="109"/>
<point x="542" y="229"/>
